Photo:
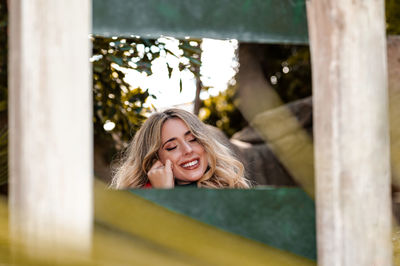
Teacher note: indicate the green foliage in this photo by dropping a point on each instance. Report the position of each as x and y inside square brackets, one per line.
[114, 100]
[221, 111]
[190, 50]
[288, 69]
[393, 17]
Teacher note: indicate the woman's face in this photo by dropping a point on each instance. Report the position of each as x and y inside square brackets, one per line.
[187, 155]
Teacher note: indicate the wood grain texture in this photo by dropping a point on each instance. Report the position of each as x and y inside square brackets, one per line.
[50, 123]
[349, 66]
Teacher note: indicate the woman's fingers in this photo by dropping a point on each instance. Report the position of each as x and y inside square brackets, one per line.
[168, 166]
[157, 164]
[160, 175]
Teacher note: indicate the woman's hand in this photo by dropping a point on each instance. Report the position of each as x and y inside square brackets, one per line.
[160, 175]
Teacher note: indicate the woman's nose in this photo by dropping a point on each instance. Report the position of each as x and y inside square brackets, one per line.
[187, 148]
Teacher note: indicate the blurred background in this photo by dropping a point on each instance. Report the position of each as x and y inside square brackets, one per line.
[133, 77]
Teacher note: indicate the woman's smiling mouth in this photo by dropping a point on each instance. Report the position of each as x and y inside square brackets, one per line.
[191, 164]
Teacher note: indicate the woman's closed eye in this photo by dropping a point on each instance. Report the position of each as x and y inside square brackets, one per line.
[170, 148]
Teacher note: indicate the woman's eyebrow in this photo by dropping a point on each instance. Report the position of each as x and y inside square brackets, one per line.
[172, 139]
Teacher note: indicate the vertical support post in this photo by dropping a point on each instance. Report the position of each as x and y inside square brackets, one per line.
[349, 69]
[50, 121]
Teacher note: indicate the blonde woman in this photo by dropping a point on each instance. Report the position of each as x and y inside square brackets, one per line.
[174, 148]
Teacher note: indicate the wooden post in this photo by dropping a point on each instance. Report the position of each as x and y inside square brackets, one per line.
[50, 123]
[349, 69]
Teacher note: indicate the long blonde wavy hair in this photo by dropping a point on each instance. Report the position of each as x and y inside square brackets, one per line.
[224, 170]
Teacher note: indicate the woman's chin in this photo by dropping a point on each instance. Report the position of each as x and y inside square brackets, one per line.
[186, 176]
[187, 180]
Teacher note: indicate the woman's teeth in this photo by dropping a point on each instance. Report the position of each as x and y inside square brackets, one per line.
[191, 163]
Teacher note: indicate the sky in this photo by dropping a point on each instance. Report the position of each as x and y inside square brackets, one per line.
[219, 65]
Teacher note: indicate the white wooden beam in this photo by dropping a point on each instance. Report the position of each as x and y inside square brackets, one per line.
[349, 70]
[50, 103]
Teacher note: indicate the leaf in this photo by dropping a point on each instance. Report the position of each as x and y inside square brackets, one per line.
[116, 60]
[145, 95]
[194, 61]
[133, 98]
[124, 48]
[180, 85]
[182, 66]
[143, 64]
[170, 52]
[169, 70]
[147, 42]
[144, 69]
[138, 110]
[98, 68]
[193, 49]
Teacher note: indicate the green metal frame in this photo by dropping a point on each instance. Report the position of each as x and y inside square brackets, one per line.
[264, 21]
[280, 217]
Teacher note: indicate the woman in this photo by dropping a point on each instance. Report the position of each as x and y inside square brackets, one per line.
[174, 148]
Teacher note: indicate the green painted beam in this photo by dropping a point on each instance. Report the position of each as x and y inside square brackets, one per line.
[283, 218]
[130, 229]
[267, 21]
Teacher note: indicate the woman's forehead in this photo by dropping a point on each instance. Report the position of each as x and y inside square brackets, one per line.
[174, 127]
